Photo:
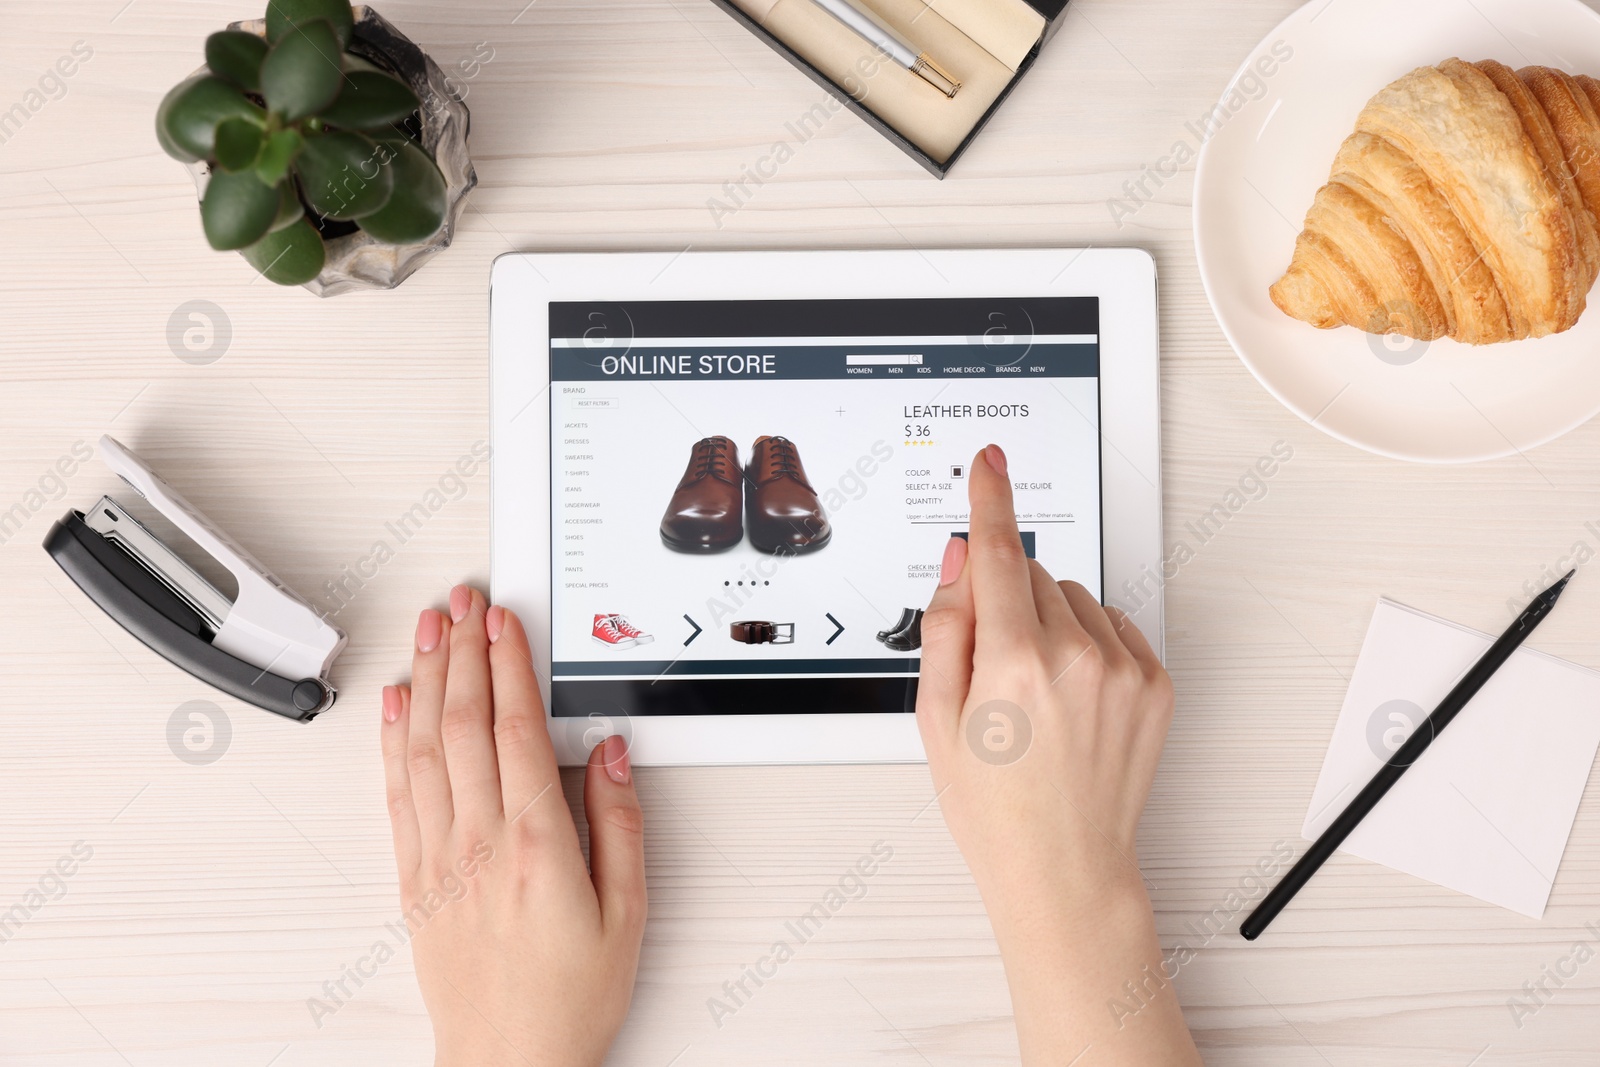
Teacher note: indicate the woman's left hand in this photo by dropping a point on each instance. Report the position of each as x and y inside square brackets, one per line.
[526, 956]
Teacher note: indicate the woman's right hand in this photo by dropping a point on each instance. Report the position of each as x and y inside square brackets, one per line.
[1043, 715]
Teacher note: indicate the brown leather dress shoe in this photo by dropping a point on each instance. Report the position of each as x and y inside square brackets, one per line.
[781, 509]
[705, 513]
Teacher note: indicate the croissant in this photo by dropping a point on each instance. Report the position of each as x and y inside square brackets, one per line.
[1462, 206]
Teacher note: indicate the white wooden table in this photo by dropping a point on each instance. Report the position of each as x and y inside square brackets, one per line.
[220, 897]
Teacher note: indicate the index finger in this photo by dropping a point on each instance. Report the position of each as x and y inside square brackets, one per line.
[1002, 588]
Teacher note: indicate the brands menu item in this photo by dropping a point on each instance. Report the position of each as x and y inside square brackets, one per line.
[766, 485]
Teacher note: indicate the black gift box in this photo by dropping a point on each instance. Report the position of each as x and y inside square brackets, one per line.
[1052, 11]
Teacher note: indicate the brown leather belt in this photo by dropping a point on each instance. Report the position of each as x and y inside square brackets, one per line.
[753, 632]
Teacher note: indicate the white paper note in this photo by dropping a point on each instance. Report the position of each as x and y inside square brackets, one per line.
[1487, 809]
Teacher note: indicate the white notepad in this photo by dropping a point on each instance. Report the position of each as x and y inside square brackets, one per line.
[1488, 807]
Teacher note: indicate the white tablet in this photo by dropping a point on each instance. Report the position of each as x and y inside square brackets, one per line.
[722, 481]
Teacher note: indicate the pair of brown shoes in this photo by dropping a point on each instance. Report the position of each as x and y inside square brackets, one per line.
[716, 500]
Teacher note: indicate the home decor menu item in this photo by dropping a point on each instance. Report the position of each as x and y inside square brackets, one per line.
[265, 645]
[1463, 206]
[876, 57]
[886, 40]
[1488, 810]
[759, 453]
[1264, 152]
[325, 145]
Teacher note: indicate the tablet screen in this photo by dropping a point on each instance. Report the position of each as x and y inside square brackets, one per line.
[750, 499]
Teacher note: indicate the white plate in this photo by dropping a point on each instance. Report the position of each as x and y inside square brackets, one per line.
[1437, 402]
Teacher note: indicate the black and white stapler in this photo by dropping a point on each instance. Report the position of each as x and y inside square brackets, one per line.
[267, 646]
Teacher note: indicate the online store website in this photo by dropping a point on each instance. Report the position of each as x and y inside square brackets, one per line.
[750, 499]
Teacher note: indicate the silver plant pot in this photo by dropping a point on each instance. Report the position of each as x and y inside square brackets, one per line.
[357, 260]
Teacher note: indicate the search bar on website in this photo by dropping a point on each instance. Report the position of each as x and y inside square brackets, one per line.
[892, 360]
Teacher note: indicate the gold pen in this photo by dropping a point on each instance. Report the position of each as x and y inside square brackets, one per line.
[891, 44]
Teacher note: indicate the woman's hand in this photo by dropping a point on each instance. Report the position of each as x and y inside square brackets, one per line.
[525, 955]
[1043, 715]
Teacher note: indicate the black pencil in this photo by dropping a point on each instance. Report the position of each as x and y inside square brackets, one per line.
[1403, 757]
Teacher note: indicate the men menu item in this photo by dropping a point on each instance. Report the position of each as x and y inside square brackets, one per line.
[767, 487]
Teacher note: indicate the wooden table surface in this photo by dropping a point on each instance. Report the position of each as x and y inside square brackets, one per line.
[220, 897]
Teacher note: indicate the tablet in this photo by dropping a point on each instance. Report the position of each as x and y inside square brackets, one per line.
[722, 482]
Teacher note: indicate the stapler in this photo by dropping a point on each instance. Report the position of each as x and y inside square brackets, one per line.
[268, 646]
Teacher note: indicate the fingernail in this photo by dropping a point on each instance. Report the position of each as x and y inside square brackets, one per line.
[494, 620]
[955, 557]
[460, 602]
[996, 458]
[430, 628]
[391, 703]
[614, 754]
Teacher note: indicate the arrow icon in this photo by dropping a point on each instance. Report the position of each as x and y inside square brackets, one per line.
[697, 630]
[837, 623]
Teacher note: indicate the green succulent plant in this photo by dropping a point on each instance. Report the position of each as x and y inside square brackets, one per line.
[304, 140]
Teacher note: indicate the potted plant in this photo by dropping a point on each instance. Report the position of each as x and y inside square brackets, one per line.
[326, 146]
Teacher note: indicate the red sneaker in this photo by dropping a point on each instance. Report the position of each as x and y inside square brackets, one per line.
[628, 629]
[607, 632]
